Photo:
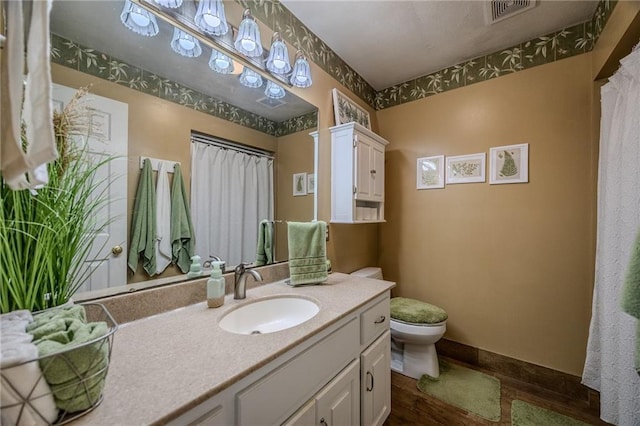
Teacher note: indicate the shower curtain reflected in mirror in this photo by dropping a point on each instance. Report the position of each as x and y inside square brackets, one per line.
[231, 192]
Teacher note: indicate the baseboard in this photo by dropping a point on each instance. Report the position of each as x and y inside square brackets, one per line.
[547, 378]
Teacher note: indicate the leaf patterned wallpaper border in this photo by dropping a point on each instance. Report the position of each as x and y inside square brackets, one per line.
[91, 61]
[558, 45]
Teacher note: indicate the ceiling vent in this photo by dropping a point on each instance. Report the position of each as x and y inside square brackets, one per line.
[270, 103]
[497, 10]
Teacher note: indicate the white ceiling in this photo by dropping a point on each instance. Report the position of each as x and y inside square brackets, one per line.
[389, 42]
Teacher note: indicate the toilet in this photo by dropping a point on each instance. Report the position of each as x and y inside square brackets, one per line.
[415, 328]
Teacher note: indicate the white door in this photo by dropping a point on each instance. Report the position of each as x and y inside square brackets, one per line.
[363, 168]
[338, 404]
[377, 191]
[108, 136]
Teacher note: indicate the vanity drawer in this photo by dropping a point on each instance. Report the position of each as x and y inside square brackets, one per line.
[374, 321]
[275, 397]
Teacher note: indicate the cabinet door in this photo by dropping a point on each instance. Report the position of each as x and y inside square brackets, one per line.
[338, 404]
[377, 176]
[363, 167]
[306, 416]
[376, 381]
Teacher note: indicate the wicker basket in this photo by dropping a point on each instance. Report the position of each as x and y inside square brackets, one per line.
[85, 389]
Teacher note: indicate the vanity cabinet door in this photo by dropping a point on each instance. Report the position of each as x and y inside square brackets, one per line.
[376, 381]
[306, 416]
[338, 404]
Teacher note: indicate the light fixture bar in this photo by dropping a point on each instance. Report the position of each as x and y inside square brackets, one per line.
[211, 42]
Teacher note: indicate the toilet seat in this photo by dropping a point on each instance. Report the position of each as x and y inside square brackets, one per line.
[418, 329]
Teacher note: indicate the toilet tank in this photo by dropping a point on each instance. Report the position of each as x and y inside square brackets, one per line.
[369, 272]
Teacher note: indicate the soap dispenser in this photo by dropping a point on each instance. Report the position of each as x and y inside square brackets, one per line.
[195, 270]
[215, 287]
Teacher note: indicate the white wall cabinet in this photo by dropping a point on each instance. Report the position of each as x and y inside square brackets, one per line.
[357, 174]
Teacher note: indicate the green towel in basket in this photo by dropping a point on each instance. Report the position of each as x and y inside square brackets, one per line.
[76, 376]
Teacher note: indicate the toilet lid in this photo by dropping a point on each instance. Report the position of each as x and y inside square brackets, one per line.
[416, 312]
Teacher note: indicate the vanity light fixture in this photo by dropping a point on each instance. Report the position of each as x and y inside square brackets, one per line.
[301, 75]
[250, 78]
[171, 4]
[248, 40]
[185, 44]
[210, 17]
[138, 19]
[274, 91]
[278, 60]
[221, 63]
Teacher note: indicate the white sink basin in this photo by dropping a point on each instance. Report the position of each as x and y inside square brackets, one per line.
[269, 315]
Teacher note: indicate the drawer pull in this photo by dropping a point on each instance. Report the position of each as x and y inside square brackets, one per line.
[323, 422]
[380, 320]
[369, 389]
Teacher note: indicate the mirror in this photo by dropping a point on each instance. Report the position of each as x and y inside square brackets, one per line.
[169, 96]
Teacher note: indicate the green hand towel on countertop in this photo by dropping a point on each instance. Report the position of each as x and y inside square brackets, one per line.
[631, 294]
[182, 237]
[264, 251]
[143, 224]
[307, 252]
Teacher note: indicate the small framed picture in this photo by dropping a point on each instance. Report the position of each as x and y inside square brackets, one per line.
[430, 172]
[311, 183]
[466, 168]
[509, 164]
[346, 110]
[299, 184]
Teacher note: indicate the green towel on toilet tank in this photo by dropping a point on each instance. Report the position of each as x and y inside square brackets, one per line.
[307, 252]
[631, 294]
[182, 238]
[143, 224]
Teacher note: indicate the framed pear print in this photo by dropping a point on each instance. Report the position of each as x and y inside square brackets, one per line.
[509, 164]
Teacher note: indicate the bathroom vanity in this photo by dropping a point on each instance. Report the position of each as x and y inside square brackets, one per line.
[180, 367]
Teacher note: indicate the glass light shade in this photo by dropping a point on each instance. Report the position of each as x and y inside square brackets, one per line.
[278, 60]
[185, 44]
[171, 4]
[219, 62]
[138, 20]
[274, 91]
[301, 75]
[210, 17]
[250, 78]
[248, 39]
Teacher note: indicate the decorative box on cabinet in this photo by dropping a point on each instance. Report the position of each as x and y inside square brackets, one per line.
[357, 174]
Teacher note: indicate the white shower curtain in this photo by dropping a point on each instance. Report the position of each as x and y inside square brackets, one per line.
[231, 192]
[609, 366]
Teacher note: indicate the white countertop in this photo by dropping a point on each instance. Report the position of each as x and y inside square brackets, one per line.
[165, 364]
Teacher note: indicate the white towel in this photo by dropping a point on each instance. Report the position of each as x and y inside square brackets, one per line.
[25, 396]
[163, 219]
[38, 112]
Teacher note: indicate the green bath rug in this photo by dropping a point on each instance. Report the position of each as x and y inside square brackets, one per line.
[464, 388]
[524, 414]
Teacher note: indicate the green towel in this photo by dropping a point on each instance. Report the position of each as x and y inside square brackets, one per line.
[76, 376]
[307, 252]
[143, 224]
[182, 237]
[264, 249]
[631, 294]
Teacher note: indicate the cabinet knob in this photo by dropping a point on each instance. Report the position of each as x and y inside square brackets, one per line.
[380, 320]
[369, 389]
[323, 422]
[373, 172]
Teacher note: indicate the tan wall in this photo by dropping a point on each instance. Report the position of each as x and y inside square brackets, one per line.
[159, 129]
[511, 264]
[295, 155]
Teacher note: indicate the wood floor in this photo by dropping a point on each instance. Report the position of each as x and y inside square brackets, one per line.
[409, 406]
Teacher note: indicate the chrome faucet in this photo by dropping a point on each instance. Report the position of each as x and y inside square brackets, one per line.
[209, 263]
[240, 280]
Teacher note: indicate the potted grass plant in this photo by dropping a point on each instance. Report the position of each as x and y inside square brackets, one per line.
[46, 235]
